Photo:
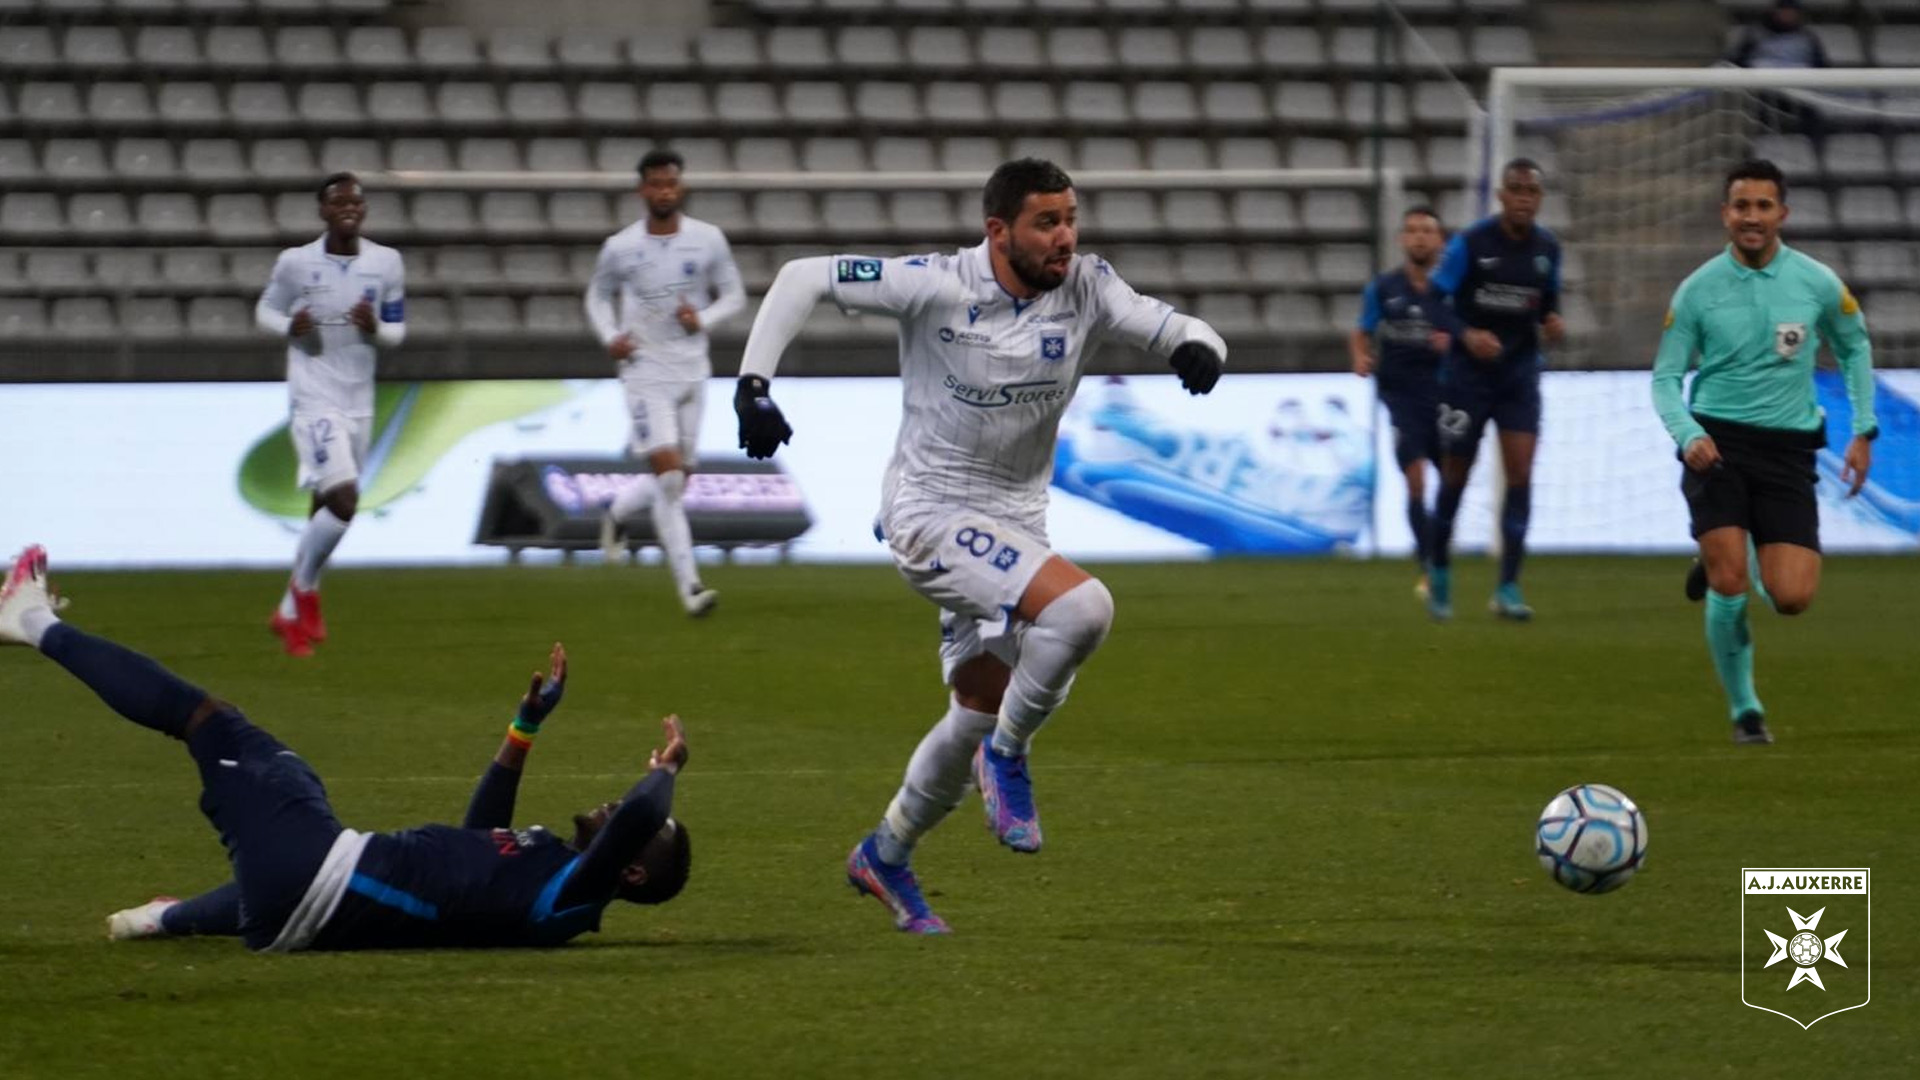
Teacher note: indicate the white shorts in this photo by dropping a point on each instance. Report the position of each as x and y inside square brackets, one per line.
[332, 448]
[976, 568]
[666, 416]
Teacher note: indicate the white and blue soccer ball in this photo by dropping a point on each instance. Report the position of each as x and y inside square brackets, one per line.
[1592, 838]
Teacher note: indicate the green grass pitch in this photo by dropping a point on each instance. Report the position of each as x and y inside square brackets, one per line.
[1288, 831]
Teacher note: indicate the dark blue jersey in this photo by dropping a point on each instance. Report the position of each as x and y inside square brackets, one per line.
[440, 885]
[1403, 318]
[1502, 284]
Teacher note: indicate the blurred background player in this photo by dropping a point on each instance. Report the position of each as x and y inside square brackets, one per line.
[1503, 275]
[993, 343]
[1412, 327]
[301, 880]
[337, 302]
[641, 302]
[1754, 316]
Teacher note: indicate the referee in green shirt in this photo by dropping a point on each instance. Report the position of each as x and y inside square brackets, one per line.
[1754, 317]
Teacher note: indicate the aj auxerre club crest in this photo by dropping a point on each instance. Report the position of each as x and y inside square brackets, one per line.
[1794, 925]
[1788, 337]
[1053, 347]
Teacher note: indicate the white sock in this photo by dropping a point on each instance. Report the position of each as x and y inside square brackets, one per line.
[936, 780]
[35, 622]
[322, 535]
[635, 496]
[288, 610]
[671, 529]
[1051, 650]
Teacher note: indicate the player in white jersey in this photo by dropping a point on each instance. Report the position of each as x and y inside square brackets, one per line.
[642, 303]
[336, 302]
[992, 343]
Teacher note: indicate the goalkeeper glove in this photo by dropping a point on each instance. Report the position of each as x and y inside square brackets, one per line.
[762, 427]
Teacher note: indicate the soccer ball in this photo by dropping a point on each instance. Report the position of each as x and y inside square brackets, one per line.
[1591, 838]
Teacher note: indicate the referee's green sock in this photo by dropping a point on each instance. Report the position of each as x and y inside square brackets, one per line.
[1753, 574]
[1731, 644]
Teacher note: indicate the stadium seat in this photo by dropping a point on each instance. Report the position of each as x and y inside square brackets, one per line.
[557, 316]
[429, 317]
[18, 163]
[1448, 158]
[680, 103]
[152, 318]
[447, 50]
[622, 154]
[785, 213]
[817, 104]
[468, 105]
[1096, 104]
[119, 104]
[100, 216]
[1297, 104]
[378, 50]
[1147, 267]
[1342, 266]
[1108, 152]
[799, 50]
[703, 154]
[765, 154]
[1318, 153]
[539, 105]
[194, 268]
[29, 50]
[726, 209]
[868, 48]
[488, 155]
[169, 216]
[1165, 104]
[520, 53]
[556, 155]
[486, 314]
[1151, 50]
[1209, 266]
[1219, 51]
[306, 50]
[1052, 148]
[1263, 212]
[1842, 43]
[542, 267]
[891, 104]
[1428, 46]
[22, 318]
[83, 317]
[138, 161]
[512, 215]
[1896, 46]
[1882, 264]
[58, 271]
[283, 159]
[656, 54]
[833, 154]
[444, 215]
[330, 106]
[1235, 104]
[94, 50]
[964, 104]
[940, 49]
[1293, 314]
[610, 104]
[249, 268]
[1178, 152]
[461, 268]
[1196, 214]
[213, 160]
[1080, 50]
[1290, 50]
[748, 104]
[971, 153]
[238, 50]
[854, 214]
[917, 213]
[219, 317]
[190, 104]
[1812, 212]
[242, 217]
[75, 159]
[1502, 46]
[1362, 98]
[1856, 158]
[729, 51]
[416, 154]
[1869, 211]
[1354, 49]
[51, 104]
[1246, 152]
[1440, 105]
[590, 52]
[1121, 215]
[125, 270]
[261, 106]
[1231, 314]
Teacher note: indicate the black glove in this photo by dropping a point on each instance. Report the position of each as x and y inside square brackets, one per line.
[762, 427]
[1198, 366]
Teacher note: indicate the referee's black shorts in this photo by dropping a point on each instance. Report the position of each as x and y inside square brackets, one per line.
[1764, 484]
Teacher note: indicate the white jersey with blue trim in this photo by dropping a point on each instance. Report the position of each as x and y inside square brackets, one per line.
[639, 284]
[338, 378]
[986, 377]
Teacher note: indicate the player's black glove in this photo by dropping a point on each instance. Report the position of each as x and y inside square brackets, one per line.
[1197, 365]
[762, 427]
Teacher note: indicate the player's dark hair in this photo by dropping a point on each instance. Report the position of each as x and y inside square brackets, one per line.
[1757, 169]
[1007, 189]
[1521, 164]
[669, 862]
[661, 158]
[1423, 210]
[336, 178]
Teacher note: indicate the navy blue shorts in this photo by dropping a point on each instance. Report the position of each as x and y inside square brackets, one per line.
[1509, 396]
[1414, 412]
[272, 815]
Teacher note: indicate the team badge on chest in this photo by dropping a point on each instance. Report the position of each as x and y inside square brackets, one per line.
[1787, 339]
[1053, 347]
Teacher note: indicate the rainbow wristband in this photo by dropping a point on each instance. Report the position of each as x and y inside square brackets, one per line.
[524, 727]
[520, 733]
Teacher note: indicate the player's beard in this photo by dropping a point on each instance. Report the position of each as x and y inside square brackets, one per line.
[664, 210]
[1031, 268]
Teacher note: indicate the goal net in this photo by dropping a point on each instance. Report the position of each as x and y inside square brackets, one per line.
[1635, 159]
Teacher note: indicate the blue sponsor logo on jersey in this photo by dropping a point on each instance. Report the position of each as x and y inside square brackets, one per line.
[1053, 347]
[1040, 392]
[973, 314]
[689, 267]
[972, 339]
[1056, 317]
[861, 270]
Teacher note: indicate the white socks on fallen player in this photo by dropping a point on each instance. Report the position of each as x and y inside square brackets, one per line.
[1051, 650]
[671, 529]
[35, 622]
[936, 780]
[636, 495]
